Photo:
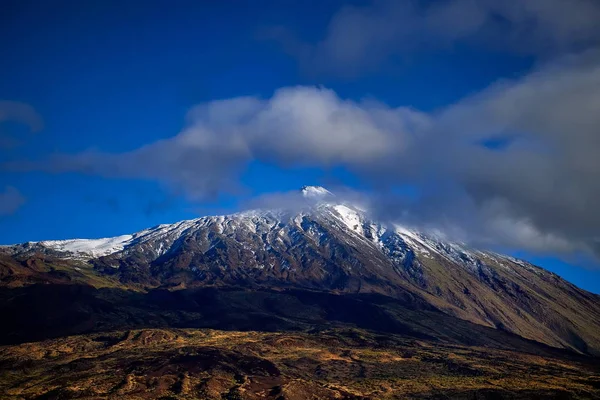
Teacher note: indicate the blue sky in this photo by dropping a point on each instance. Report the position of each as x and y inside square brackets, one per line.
[110, 79]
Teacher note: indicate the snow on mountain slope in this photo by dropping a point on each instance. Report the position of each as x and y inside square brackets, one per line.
[350, 217]
[158, 240]
[89, 247]
[161, 236]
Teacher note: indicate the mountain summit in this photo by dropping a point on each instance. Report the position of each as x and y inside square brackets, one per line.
[333, 247]
[315, 192]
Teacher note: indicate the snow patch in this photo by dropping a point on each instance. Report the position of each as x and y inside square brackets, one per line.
[350, 218]
[89, 247]
[315, 192]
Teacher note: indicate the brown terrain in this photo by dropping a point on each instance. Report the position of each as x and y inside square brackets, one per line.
[333, 364]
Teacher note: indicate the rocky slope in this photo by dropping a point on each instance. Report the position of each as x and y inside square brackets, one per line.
[324, 245]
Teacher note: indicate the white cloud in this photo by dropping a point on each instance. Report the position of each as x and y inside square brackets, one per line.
[297, 126]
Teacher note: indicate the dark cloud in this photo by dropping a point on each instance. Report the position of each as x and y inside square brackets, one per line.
[546, 181]
[360, 38]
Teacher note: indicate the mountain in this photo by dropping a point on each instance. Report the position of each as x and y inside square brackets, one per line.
[313, 300]
[326, 245]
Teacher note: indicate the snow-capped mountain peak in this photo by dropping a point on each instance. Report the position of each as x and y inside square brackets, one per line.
[315, 192]
[330, 214]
